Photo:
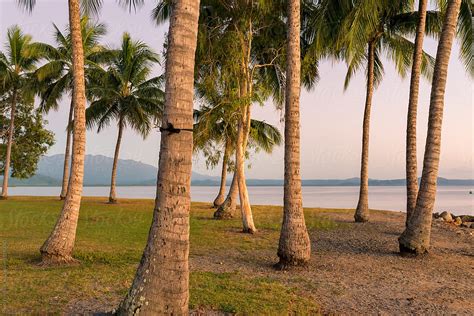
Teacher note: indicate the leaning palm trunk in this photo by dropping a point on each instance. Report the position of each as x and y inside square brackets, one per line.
[11, 131]
[227, 209]
[113, 178]
[411, 164]
[221, 196]
[416, 237]
[362, 211]
[161, 284]
[294, 247]
[58, 248]
[67, 154]
[242, 138]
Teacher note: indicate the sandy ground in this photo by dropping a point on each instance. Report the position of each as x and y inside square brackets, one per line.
[357, 269]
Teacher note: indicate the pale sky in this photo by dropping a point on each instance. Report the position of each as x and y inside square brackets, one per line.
[331, 119]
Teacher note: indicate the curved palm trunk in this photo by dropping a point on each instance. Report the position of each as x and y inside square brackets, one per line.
[416, 237]
[221, 196]
[362, 211]
[227, 209]
[58, 248]
[294, 247]
[67, 154]
[11, 131]
[113, 178]
[242, 138]
[161, 284]
[411, 163]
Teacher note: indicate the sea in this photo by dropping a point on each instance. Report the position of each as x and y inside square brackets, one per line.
[458, 200]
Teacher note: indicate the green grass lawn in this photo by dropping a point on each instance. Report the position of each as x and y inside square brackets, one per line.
[110, 240]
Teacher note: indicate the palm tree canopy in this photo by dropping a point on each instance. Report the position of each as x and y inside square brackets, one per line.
[55, 76]
[19, 60]
[124, 93]
[342, 29]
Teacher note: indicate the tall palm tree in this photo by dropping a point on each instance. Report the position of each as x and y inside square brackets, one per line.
[411, 163]
[125, 94]
[465, 34]
[161, 284]
[16, 66]
[294, 247]
[416, 237]
[57, 76]
[362, 31]
[58, 248]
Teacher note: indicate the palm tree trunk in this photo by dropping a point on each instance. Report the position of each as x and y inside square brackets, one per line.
[58, 248]
[294, 247]
[11, 131]
[416, 237]
[220, 197]
[67, 153]
[242, 138]
[227, 209]
[362, 211]
[411, 163]
[113, 178]
[161, 284]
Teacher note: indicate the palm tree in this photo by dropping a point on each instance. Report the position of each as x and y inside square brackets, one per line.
[411, 163]
[16, 67]
[465, 33]
[294, 247]
[161, 284]
[214, 127]
[363, 31]
[58, 248]
[416, 237]
[57, 76]
[123, 93]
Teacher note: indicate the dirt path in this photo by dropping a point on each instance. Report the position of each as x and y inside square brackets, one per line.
[357, 270]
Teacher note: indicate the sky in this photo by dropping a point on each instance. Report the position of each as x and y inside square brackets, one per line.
[331, 118]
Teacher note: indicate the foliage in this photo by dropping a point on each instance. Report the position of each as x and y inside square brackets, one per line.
[30, 139]
[350, 25]
[18, 61]
[55, 77]
[123, 91]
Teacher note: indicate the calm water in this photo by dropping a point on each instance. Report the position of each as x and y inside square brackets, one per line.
[453, 198]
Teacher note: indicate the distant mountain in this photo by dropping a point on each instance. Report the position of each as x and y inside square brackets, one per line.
[97, 171]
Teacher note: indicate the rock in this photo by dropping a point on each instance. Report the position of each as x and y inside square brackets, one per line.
[466, 224]
[458, 221]
[446, 216]
[467, 218]
[436, 215]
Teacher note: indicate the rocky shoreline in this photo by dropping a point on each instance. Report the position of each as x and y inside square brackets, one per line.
[466, 221]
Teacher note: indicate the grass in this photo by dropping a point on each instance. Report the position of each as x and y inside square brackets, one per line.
[110, 240]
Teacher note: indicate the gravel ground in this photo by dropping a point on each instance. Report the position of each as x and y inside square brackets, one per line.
[357, 269]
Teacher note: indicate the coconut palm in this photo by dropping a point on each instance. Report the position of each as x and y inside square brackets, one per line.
[124, 93]
[294, 247]
[361, 32]
[161, 284]
[58, 248]
[57, 77]
[465, 34]
[214, 128]
[411, 163]
[16, 65]
[416, 237]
